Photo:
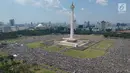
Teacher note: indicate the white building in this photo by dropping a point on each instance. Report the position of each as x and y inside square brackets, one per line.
[14, 28]
[22, 28]
[5, 29]
[40, 26]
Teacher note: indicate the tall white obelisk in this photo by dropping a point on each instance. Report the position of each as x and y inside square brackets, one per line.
[72, 21]
[71, 41]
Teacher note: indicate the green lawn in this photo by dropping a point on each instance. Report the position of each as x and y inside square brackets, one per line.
[103, 45]
[35, 45]
[10, 40]
[3, 54]
[44, 71]
[50, 69]
[55, 48]
[84, 54]
[92, 52]
[40, 45]
[52, 48]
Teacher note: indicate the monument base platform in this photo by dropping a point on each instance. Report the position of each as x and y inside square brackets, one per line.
[73, 42]
[70, 39]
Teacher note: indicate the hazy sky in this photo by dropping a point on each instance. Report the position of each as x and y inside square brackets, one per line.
[59, 10]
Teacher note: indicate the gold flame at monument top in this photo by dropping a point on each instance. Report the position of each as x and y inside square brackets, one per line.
[72, 6]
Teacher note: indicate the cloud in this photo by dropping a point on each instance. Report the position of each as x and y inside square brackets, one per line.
[102, 2]
[46, 4]
[64, 11]
[82, 9]
[43, 3]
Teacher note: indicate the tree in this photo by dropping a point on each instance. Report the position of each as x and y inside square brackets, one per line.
[108, 30]
[21, 68]
[10, 66]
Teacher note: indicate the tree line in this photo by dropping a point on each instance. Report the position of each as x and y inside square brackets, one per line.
[117, 35]
[58, 30]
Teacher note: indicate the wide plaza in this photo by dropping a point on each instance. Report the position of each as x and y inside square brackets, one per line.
[105, 55]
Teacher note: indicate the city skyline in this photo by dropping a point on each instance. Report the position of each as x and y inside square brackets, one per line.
[59, 11]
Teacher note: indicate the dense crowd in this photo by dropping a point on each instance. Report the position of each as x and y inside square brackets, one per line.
[116, 60]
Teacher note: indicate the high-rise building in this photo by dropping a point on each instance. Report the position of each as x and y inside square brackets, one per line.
[103, 25]
[85, 24]
[12, 22]
[88, 24]
[1, 23]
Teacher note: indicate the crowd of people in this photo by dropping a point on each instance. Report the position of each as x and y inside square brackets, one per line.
[116, 60]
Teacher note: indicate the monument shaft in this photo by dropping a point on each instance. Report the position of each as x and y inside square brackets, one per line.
[71, 41]
[72, 22]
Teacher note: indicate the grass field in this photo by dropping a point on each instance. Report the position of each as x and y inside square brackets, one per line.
[50, 69]
[48, 48]
[10, 40]
[3, 54]
[35, 45]
[55, 48]
[92, 52]
[52, 48]
[43, 70]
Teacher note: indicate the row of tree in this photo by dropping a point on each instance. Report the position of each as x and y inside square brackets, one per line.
[9, 35]
[61, 30]
[38, 32]
[117, 35]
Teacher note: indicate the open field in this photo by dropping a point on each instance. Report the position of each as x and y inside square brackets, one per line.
[92, 52]
[53, 48]
[107, 56]
[3, 54]
[35, 45]
[51, 69]
[48, 69]
[9, 40]
[45, 71]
